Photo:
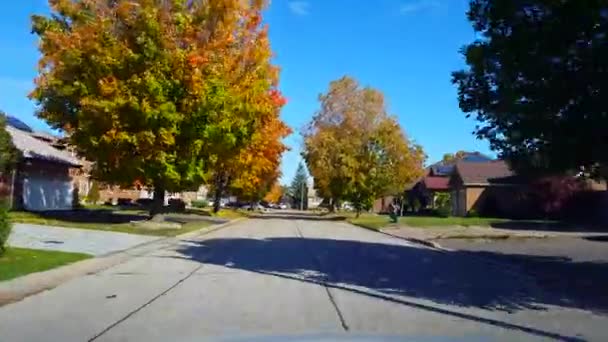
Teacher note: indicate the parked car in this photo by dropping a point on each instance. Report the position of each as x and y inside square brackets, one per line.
[177, 204]
[282, 206]
[144, 202]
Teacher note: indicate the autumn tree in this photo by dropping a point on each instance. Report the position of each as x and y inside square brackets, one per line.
[536, 81]
[256, 169]
[153, 91]
[275, 194]
[453, 157]
[355, 150]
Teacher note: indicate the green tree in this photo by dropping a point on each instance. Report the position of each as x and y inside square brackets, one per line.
[299, 188]
[8, 153]
[355, 150]
[5, 226]
[155, 92]
[536, 82]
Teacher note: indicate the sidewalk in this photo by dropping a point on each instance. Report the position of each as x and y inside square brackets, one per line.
[16, 289]
[74, 240]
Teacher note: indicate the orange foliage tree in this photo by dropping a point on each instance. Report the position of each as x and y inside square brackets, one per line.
[251, 175]
[162, 92]
[275, 194]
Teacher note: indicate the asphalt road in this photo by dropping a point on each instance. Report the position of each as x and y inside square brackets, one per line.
[278, 277]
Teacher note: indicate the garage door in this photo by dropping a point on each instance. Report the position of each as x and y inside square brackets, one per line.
[47, 194]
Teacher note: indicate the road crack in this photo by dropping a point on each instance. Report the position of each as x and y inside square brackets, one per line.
[138, 309]
[330, 295]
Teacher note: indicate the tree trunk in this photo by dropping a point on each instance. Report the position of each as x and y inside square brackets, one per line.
[358, 212]
[217, 197]
[158, 201]
[332, 205]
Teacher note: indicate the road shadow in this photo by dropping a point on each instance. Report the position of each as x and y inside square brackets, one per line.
[600, 238]
[295, 216]
[485, 280]
[92, 216]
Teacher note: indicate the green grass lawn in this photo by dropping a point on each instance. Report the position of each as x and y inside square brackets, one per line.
[381, 221]
[16, 262]
[126, 227]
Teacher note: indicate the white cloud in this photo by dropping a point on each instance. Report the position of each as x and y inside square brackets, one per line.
[417, 6]
[299, 7]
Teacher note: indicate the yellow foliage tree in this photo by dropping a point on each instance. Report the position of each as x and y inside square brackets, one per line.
[355, 150]
[275, 194]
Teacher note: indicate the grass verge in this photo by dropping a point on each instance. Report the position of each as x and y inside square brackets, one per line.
[16, 262]
[34, 218]
[228, 214]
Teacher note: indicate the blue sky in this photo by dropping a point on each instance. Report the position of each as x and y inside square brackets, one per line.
[405, 48]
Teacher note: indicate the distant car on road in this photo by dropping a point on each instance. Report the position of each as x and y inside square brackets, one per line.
[282, 206]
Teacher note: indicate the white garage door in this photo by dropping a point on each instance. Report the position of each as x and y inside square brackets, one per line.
[47, 194]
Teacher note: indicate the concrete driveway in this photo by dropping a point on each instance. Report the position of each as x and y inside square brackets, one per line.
[279, 277]
[86, 241]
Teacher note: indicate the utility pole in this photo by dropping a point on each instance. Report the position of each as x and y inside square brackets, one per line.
[302, 197]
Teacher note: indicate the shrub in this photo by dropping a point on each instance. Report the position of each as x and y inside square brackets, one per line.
[5, 226]
[473, 213]
[443, 212]
[200, 203]
[442, 199]
[443, 204]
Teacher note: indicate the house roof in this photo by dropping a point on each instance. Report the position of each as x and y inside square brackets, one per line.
[33, 148]
[45, 136]
[443, 168]
[437, 183]
[18, 124]
[483, 173]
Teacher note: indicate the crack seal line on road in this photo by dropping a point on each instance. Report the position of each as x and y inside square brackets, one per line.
[130, 314]
[327, 290]
[166, 243]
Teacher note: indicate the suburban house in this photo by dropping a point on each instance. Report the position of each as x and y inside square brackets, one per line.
[488, 187]
[435, 180]
[493, 189]
[382, 204]
[43, 177]
[50, 175]
[314, 201]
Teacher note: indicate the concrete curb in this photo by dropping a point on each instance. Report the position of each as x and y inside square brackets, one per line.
[17, 289]
[512, 269]
[425, 243]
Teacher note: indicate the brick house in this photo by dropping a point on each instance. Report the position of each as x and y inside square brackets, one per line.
[43, 177]
[436, 179]
[473, 185]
